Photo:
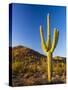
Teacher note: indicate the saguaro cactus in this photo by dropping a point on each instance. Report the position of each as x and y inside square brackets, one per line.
[49, 46]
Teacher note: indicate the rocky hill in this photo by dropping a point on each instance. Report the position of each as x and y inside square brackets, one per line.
[30, 67]
[22, 53]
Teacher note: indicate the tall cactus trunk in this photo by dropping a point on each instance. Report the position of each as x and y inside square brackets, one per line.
[48, 46]
[49, 65]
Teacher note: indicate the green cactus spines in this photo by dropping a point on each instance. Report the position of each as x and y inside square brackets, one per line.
[47, 47]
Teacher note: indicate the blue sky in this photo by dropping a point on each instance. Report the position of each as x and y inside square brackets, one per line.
[26, 20]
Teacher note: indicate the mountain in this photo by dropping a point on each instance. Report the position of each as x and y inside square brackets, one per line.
[29, 67]
[22, 53]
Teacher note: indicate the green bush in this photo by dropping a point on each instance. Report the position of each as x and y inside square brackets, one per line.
[17, 66]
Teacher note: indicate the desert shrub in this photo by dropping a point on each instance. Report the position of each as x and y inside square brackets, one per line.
[43, 65]
[17, 66]
[57, 69]
[58, 58]
[32, 68]
[15, 53]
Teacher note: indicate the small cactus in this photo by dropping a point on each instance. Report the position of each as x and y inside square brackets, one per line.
[47, 47]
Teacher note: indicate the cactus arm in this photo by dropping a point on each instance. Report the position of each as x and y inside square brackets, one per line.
[43, 44]
[55, 39]
[48, 43]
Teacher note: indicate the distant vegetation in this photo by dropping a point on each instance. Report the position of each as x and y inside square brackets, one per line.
[30, 67]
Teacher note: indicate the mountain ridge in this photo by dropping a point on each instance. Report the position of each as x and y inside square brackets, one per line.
[29, 49]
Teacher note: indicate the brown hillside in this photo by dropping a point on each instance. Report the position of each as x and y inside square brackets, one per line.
[30, 67]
